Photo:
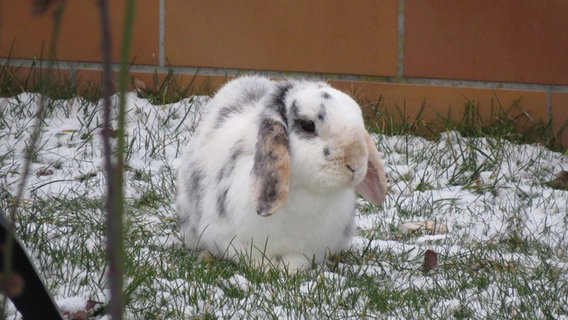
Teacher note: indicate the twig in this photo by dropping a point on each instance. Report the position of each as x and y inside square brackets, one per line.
[114, 179]
[34, 138]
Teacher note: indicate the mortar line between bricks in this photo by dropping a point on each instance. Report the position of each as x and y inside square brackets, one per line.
[161, 44]
[400, 55]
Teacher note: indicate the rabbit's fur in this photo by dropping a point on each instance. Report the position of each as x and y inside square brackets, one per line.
[271, 172]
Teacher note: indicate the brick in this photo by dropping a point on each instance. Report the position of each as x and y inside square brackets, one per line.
[430, 103]
[32, 79]
[86, 79]
[199, 84]
[492, 40]
[27, 35]
[329, 36]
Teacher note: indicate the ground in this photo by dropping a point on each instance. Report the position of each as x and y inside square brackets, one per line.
[498, 229]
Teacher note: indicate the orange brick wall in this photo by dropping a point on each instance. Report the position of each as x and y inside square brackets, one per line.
[412, 53]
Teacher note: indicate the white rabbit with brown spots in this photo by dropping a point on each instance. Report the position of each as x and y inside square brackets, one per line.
[272, 171]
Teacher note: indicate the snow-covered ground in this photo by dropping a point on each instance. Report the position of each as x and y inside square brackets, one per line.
[501, 233]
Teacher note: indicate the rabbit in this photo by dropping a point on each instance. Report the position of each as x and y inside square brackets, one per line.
[272, 170]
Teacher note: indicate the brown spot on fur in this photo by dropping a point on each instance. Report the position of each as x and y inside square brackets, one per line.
[270, 172]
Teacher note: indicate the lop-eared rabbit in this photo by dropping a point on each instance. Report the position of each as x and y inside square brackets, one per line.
[272, 170]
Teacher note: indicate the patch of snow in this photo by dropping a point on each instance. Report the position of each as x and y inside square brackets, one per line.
[72, 304]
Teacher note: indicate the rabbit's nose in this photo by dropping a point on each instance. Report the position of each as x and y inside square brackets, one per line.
[355, 155]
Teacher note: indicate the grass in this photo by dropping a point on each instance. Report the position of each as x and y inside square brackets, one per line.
[512, 122]
[505, 255]
[166, 90]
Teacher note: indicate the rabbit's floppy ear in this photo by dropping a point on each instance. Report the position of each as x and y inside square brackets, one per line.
[374, 186]
[270, 175]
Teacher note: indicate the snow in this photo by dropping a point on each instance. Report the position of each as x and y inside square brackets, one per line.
[240, 282]
[72, 304]
[428, 180]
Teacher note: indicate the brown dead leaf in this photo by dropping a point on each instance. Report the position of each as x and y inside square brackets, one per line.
[139, 86]
[92, 304]
[430, 261]
[428, 226]
[560, 182]
[82, 314]
[44, 172]
[477, 180]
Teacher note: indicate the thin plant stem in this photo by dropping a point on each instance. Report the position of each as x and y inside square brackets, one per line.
[114, 206]
[29, 151]
[115, 171]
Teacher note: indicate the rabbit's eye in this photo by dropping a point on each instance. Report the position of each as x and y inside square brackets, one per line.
[307, 125]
